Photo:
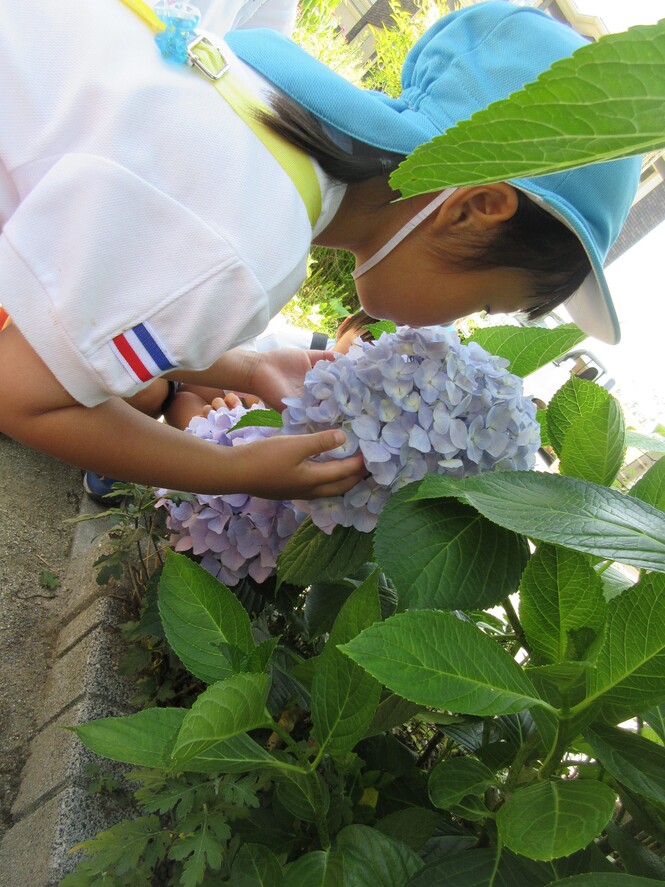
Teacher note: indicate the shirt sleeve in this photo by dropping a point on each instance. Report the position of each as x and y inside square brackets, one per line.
[114, 283]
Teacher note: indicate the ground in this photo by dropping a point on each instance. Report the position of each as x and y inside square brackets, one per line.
[37, 496]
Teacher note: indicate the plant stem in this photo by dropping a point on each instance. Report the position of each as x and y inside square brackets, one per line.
[321, 823]
[515, 623]
[497, 860]
[429, 748]
[286, 737]
[520, 760]
[553, 759]
[606, 566]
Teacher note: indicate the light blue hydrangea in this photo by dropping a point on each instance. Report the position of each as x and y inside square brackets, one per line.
[413, 402]
[235, 535]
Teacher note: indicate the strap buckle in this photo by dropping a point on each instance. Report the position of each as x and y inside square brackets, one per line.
[207, 57]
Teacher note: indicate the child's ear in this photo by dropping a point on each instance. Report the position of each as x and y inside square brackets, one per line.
[480, 208]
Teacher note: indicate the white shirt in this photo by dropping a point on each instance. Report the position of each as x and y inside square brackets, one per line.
[137, 209]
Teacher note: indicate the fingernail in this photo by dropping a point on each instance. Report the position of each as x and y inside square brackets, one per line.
[339, 437]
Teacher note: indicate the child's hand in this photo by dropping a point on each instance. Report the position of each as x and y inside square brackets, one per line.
[281, 467]
[281, 373]
[230, 401]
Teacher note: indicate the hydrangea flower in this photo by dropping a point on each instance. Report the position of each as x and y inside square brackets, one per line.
[413, 402]
[237, 535]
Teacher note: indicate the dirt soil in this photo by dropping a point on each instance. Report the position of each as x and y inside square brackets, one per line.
[37, 496]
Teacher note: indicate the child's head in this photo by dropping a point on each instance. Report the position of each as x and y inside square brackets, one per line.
[351, 328]
[559, 228]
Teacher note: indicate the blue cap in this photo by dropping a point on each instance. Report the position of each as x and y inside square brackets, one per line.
[463, 63]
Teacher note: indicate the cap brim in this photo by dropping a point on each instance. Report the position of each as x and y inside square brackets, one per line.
[592, 310]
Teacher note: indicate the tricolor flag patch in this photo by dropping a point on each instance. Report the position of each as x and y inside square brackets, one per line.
[142, 353]
[5, 319]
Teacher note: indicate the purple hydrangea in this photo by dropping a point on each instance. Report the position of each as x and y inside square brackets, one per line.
[413, 402]
[237, 535]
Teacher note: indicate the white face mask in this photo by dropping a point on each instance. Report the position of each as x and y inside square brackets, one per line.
[403, 232]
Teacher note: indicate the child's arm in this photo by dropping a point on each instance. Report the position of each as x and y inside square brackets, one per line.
[271, 375]
[117, 440]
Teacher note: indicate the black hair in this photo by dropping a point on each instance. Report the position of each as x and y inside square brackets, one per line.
[306, 132]
[533, 240]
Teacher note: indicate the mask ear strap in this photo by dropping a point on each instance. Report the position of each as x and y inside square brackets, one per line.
[404, 232]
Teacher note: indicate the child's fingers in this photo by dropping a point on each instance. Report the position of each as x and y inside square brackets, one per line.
[316, 356]
[322, 441]
[336, 478]
[231, 400]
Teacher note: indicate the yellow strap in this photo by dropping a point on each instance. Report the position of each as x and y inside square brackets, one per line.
[295, 163]
[146, 13]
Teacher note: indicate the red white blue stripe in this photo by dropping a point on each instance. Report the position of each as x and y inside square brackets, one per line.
[142, 352]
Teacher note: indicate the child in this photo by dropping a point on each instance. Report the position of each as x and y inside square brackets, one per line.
[151, 226]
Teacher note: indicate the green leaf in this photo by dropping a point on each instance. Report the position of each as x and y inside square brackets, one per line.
[615, 581]
[455, 559]
[435, 659]
[655, 718]
[199, 844]
[263, 418]
[605, 879]
[233, 706]
[594, 448]
[311, 556]
[393, 711]
[344, 696]
[371, 857]
[562, 510]
[650, 487]
[381, 326]
[636, 858]
[322, 604]
[574, 399]
[541, 416]
[629, 673]
[259, 659]
[200, 616]
[528, 348]
[255, 865]
[145, 738]
[554, 818]
[586, 426]
[646, 442]
[47, 579]
[478, 868]
[237, 755]
[123, 846]
[316, 869]
[560, 593]
[603, 102]
[631, 759]
[304, 795]
[455, 778]
[412, 826]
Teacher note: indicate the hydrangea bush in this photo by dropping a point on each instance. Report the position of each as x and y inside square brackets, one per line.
[413, 402]
[237, 535]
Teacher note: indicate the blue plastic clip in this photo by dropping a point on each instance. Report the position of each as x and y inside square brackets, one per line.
[181, 20]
